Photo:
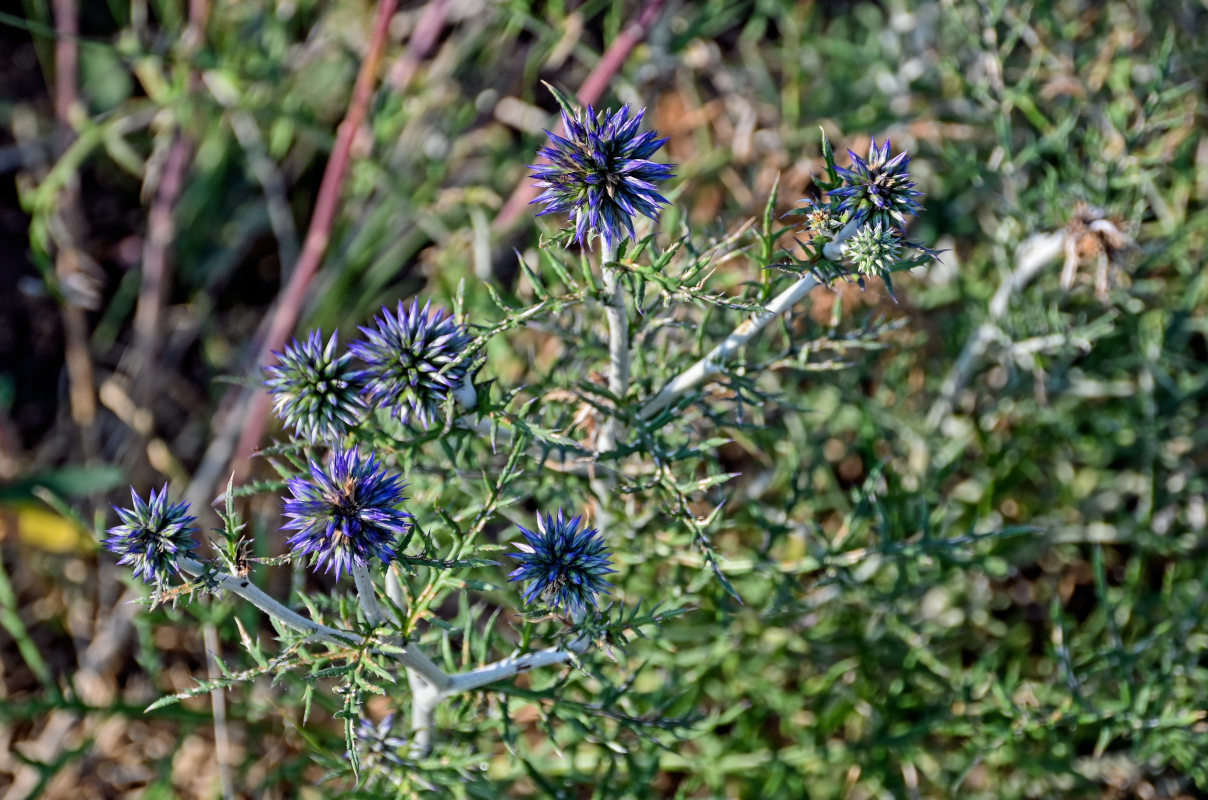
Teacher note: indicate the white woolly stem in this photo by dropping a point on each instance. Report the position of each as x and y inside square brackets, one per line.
[368, 595]
[514, 665]
[465, 394]
[618, 343]
[425, 697]
[833, 249]
[1033, 254]
[716, 358]
[503, 669]
[243, 587]
[394, 588]
[252, 593]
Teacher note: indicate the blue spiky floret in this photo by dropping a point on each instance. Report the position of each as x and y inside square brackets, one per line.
[879, 189]
[404, 355]
[379, 745]
[345, 512]
[314, 392]
[564, 565]
[153, 536]
[599, 172]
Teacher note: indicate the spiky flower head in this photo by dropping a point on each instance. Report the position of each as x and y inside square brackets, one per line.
[600, 173]
[564, 565]
[153, 536]
[404, 354]
[345, 512]
[879, 189]
[314, 392]
[873, 249]
[818, 217]
[378, 744]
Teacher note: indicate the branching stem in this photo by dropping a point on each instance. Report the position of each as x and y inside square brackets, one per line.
[1033, 254]
[716, 358]
[429, 683]
[368, 595]
[243, 587]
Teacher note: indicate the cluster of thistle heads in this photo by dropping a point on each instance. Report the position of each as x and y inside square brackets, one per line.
[407, 364]
[864, 209]
[345, 510]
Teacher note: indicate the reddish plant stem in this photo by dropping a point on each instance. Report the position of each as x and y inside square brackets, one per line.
[67, 59]
[589, 94]
[289, 302]
[76, 357]
[161, 232]
[427, 30]
[156, 272]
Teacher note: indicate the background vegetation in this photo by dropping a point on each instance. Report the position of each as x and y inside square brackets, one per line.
[988, 589]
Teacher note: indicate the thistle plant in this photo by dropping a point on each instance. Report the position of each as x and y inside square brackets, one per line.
[316, 392]
[879, 189]
[426, 580]
[411, 361]
[600, 173]
[345, 512]
[153, 536]
[563, 564]
[873, 249]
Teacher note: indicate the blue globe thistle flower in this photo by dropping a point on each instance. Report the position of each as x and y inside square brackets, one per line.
[404, 355]
[153, 536]
[873, 249]
[315, 393]
[566, 566]
[378, 743]
[879, 189]
[600, 173]
[345, 512]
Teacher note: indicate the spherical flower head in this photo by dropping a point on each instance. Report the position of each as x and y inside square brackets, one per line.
[600, 173]
[404, 354]
[153, 536]
[564, 565]
[879, 189]
[819, 218]
[345, 512]
[873, 250]
[378, 743]
[314, 392]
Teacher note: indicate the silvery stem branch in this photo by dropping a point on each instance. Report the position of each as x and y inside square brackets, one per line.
[515, 664]
[712, 363]
[465, 394]
[243, 587]
[618, 341]
[505, 668]
[833, 249]
[716, 358]
[425, 697]
[368, 595]
[1035, 252]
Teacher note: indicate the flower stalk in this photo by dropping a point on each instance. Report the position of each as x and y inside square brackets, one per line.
[712, 363]
[618, 344]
